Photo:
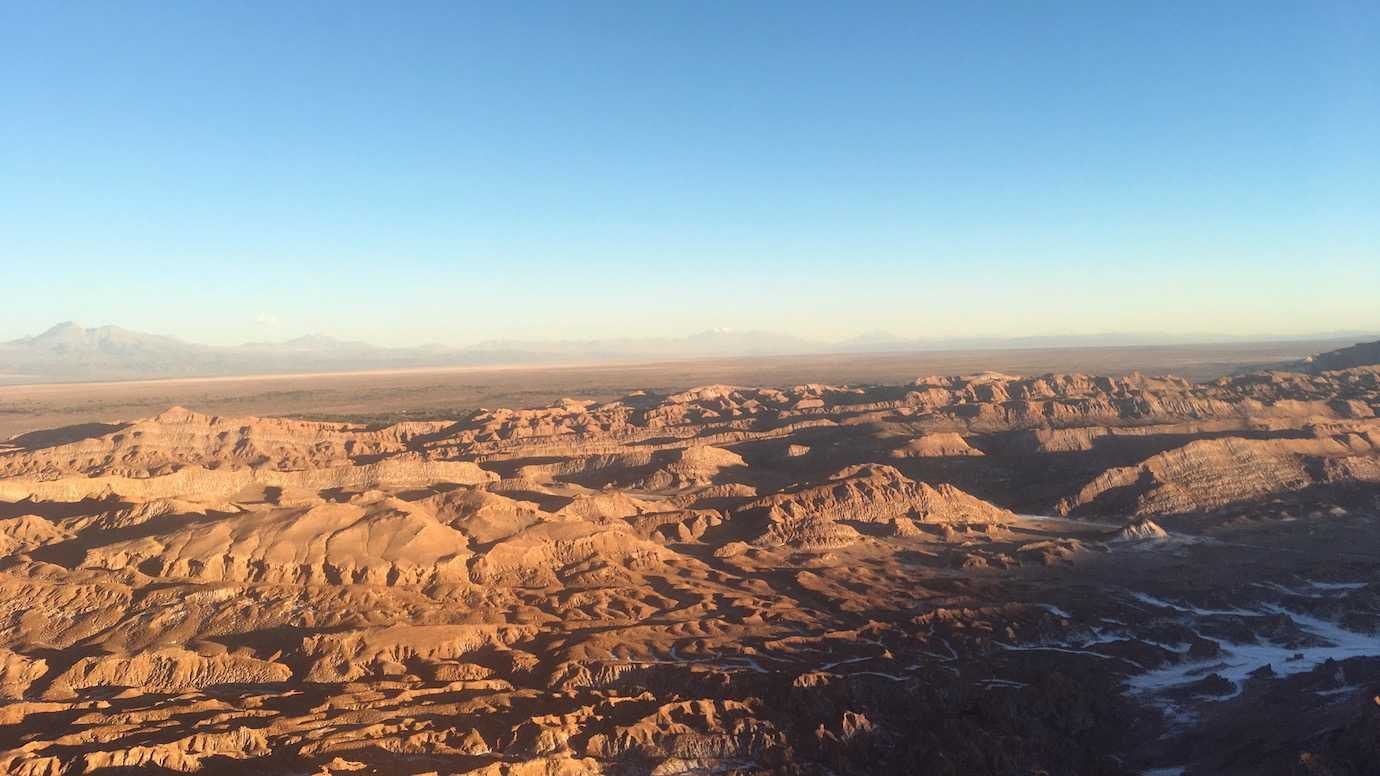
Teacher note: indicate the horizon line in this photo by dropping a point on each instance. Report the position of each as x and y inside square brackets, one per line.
[879, 338]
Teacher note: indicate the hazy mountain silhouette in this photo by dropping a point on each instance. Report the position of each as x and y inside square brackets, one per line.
[70, 351]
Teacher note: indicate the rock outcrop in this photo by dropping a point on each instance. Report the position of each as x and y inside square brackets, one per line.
[728, 579]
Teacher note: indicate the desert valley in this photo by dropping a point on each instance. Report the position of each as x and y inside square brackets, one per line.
[689, 389]
[1056, 573]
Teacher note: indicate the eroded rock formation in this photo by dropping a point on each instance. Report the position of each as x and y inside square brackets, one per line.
[815, 579]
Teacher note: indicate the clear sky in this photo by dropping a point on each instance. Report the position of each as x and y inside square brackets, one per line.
[457, 171]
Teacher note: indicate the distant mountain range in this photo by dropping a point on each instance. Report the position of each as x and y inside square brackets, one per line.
[69, 351]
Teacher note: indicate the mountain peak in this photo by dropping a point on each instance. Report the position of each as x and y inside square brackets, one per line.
[315, 340]
[65, 330]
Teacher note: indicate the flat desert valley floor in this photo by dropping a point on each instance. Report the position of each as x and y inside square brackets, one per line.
[397, 394]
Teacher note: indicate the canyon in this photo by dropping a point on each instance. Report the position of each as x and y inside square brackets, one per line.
[986, 573]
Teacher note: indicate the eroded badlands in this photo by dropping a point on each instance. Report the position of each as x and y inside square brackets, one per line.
[986, 574]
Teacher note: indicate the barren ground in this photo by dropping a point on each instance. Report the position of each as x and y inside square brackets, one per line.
[986, 574]
[396, 394]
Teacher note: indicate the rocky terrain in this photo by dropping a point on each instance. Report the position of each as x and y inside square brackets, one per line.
[1360, 354]
[981, 574]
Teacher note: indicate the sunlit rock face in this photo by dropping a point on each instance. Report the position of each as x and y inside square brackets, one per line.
[813, 579]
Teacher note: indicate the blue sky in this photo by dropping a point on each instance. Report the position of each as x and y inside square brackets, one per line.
[452, 172]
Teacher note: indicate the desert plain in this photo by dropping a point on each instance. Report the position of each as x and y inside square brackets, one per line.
[29, 403]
